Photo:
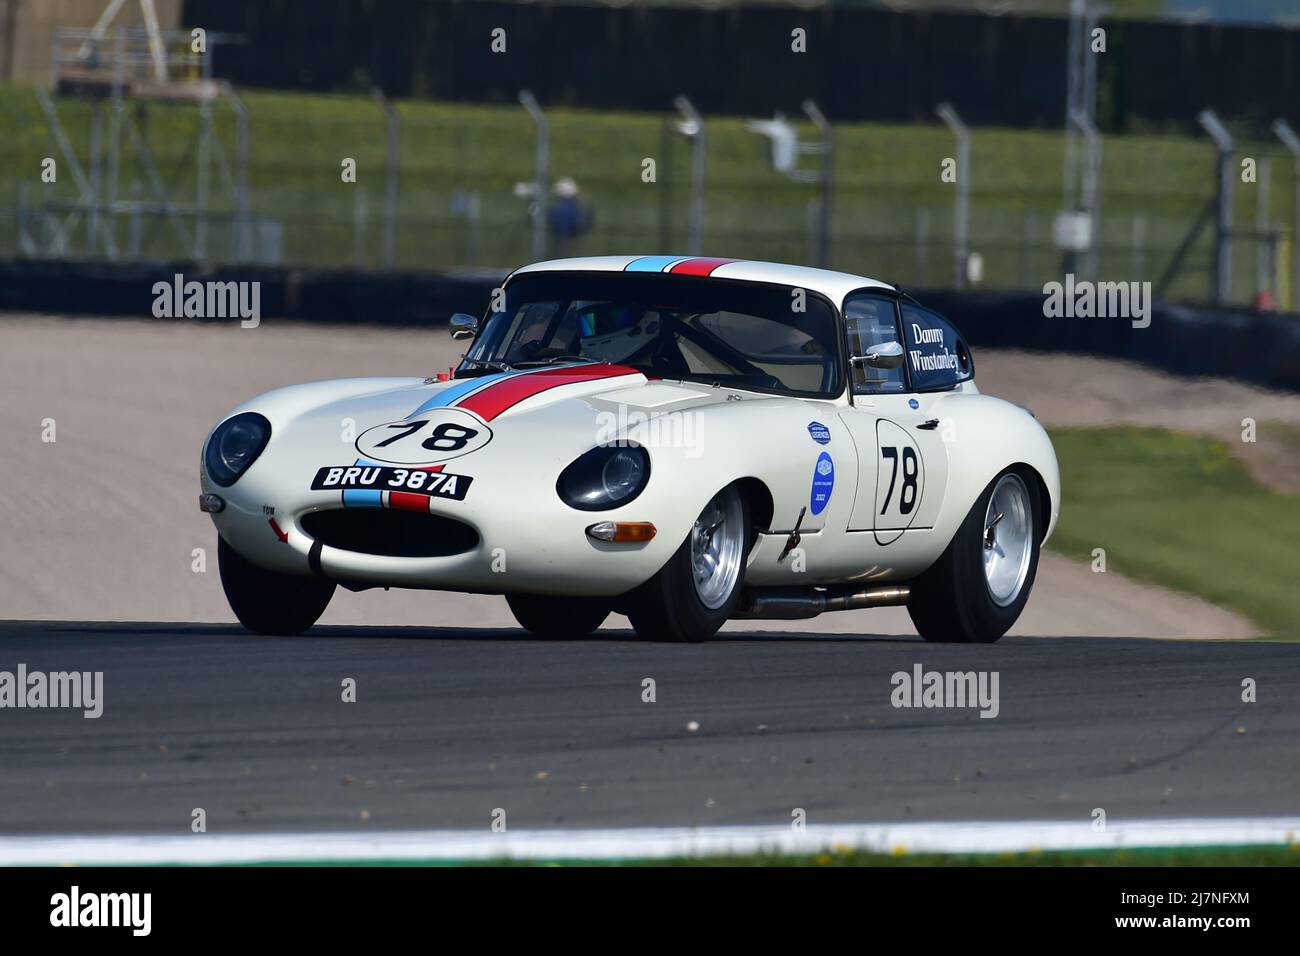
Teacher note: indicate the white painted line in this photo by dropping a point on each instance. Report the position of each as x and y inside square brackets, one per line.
[644, 843]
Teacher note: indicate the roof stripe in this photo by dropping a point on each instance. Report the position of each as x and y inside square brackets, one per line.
[699, 266]
[506, 393]
[833, 285]
[652, 263]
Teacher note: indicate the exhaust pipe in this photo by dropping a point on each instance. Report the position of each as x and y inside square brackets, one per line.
[789, 604]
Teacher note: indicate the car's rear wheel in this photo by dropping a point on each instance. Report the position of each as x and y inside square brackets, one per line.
[979, 586]
[698, 589]
[267, 602]
[548, 616]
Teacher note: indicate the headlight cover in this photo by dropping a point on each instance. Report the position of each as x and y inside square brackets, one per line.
[234, 445]
[605, 477]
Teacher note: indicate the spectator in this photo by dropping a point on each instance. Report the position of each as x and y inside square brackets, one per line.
[569, 216]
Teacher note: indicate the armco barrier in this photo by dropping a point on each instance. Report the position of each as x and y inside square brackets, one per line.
[1258, 347]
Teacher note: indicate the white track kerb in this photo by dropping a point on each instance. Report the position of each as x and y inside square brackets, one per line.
[644, 844]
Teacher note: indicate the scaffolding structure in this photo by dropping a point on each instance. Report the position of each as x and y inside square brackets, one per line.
[116, 76]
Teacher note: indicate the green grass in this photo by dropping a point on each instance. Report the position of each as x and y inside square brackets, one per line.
[1183, 856]
[1181, 511]
[1173, 857]
[887, 182]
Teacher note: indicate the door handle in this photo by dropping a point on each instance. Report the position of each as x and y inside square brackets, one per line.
[929, 425]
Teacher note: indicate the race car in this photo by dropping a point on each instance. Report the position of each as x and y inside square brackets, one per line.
[683, 440]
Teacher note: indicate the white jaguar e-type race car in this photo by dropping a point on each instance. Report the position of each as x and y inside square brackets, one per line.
[683, 440]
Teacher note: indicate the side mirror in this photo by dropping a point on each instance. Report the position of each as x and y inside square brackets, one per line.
[463, 326]
[884, 355]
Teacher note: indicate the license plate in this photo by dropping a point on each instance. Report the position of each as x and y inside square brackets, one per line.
[436, 484]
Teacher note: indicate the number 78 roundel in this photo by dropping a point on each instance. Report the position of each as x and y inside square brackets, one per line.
[900, 481]
[430, 437]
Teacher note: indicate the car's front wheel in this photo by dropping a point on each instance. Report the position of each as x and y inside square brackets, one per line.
[698, 589]
[267, 602]
[548, 616]
[979, 586]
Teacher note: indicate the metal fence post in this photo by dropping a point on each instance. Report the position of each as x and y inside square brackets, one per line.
[1265, 254]
[1074, 97]
[391, 147]
[116, 118]
[961, 207]
[1222, 288]
[1288, 136]
[25, 244]
[541, 174]
[360, 215]
[1029, 238]
[827, 177]
[241, 241]
[692, 127]
[1138, 246]
[95, 164]
[1091, 194]
[922, 267]
[203, 179]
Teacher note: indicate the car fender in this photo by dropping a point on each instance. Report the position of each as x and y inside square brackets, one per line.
[984, 436]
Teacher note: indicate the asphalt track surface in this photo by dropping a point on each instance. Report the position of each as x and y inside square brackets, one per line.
[451, 724]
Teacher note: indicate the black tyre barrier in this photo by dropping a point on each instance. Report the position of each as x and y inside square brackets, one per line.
[1258, 347]
[318, 295]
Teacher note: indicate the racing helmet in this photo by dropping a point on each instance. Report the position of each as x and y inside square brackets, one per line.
[615, 333]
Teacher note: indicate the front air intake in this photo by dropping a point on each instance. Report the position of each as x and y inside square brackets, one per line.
[393, 533]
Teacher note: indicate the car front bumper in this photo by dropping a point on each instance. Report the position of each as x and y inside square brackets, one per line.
[526, 543]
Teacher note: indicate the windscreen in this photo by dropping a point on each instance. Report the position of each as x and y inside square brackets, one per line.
[766, 338]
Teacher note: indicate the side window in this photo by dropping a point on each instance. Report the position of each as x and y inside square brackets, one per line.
[936, 353]
[534, 323]
[530, 329]
[871, 319]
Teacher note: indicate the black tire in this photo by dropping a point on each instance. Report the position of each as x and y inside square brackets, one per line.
[668, 606]
[267, 602]
[548, 616]
[951, 603]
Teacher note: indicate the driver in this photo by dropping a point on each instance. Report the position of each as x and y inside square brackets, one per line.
[616, 333]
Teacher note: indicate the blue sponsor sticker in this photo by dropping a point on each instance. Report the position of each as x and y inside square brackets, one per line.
[914, 403]
[820, 433]
[823, 483]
